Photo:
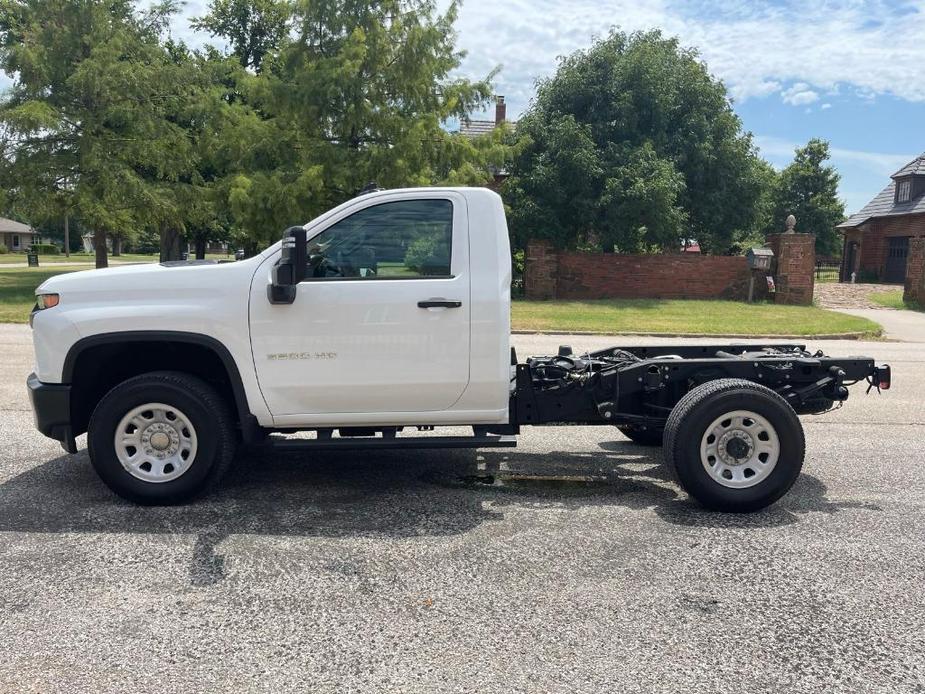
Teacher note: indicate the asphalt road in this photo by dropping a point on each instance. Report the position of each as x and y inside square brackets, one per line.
[398, 572]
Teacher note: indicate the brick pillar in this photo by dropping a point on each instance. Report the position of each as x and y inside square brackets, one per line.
[795, 261]
[915, 271]
[541, 270]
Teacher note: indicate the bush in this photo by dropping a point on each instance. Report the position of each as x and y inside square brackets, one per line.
[3, 249]
[46, 249]
[419, 252]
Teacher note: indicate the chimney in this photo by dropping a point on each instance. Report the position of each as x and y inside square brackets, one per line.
[500, 110]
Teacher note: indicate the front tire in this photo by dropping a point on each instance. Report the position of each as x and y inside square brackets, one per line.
[734, 445]
[161, 438]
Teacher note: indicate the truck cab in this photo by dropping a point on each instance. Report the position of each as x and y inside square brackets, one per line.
[401, 316]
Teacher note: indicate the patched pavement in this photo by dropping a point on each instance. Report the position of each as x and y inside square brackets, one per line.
[435, 571]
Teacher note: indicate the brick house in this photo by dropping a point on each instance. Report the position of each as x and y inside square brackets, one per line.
[877, 238]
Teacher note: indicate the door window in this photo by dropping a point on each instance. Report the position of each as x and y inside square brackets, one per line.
[407, 239]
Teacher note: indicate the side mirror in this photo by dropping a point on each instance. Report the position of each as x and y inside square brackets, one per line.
[291, 267]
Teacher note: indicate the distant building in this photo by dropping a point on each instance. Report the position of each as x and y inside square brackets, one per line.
[877, 237]
[17, 236]
[478, 128]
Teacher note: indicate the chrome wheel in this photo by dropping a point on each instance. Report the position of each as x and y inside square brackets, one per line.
[155, 442]
[739, 449]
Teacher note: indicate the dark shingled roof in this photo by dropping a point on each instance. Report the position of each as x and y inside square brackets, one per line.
[884, 206]
[914, 167]
[475, 128]
[12, 226]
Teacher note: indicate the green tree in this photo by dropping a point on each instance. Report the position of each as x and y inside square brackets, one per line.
[89, 117]
[359, 93]
[252, 27]
[632, 145]
[808, 189]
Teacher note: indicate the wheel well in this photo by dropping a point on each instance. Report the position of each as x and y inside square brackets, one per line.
[98, 368]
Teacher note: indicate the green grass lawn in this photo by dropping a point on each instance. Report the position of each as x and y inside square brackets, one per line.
[17, 296]
[17, 290]
[20, 258]
[683, 317]
[894, 299]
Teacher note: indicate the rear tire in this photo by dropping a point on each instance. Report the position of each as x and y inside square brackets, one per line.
[641, 434]
[734, 445]
[161, 438]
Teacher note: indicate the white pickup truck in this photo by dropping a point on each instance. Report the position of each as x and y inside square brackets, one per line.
[386, 317]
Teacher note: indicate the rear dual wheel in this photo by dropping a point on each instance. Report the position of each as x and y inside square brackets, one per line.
[734, 445]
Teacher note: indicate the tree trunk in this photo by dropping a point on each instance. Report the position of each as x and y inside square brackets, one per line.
[200, 249]
[116, 246]
[67, 238]
[99, 244]
[170, 244]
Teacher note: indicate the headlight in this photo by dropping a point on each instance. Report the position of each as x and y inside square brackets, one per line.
[46, 300]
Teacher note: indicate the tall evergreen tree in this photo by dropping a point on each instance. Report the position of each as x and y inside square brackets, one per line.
[89, 118]
[360, 93]
[254, 28]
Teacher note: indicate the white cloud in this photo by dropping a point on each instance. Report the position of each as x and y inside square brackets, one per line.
[825, 106]
[756, 48]
[865, 48]
[799, 94]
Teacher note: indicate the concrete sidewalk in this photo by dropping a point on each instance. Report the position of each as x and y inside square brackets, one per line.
[906, 326]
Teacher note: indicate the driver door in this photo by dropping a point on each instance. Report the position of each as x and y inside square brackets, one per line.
[381, 323]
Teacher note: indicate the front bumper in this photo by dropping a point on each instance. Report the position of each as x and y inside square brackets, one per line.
[51, 403]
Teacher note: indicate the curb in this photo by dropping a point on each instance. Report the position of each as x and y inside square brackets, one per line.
[831, 336]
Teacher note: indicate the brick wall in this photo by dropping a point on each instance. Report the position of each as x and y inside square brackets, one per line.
[794, 261]
[874, 243]
[541, 270]
[569, 275]
[915, 271]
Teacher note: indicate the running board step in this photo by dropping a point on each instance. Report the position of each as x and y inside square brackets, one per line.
[397, 442]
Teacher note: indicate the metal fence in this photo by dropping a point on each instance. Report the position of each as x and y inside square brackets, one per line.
[828, 271]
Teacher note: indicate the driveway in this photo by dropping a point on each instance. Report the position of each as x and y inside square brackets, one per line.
[906, 326]
[584, 571]
[842, 295]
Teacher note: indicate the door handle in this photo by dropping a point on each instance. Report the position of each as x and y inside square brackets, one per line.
[439, 303]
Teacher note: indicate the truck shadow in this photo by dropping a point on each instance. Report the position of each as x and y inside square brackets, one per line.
[398, 494]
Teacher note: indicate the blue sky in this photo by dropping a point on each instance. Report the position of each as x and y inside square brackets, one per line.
[849, 71]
